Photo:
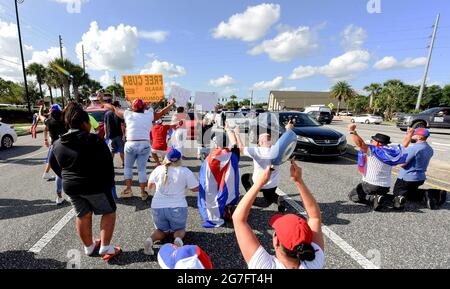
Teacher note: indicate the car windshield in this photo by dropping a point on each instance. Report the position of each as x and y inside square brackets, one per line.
[300, 120]
[99, 116]
[431, 111]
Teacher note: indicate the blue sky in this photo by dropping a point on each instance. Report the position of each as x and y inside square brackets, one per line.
[302, 44]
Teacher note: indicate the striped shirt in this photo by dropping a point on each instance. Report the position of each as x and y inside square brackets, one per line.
[378, 173]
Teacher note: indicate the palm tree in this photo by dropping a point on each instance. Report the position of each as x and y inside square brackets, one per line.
[374, 90]
[79, 78]
[392, 90]
[342, 91]
[39, 71]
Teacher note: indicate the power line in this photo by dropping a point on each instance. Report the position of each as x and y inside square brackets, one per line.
[10, 61]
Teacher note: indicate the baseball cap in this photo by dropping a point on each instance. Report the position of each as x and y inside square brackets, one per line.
[291, 230]
[138, 105]
[173, 155]
[186, 257]
[55, 108]
[422, 132]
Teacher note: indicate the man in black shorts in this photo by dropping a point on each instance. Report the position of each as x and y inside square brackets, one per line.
[115, 131]
[85, 164]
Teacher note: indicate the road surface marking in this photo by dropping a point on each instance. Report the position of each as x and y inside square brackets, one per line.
[427, 183]
[441, 144]
[37, 248]
[19, 160]
[349, 250]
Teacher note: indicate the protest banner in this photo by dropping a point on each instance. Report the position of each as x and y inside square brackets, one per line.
[181, 95]
[206, 100]
[148, 87]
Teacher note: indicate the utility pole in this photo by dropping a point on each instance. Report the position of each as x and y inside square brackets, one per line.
[84, 63]
[251, 101]
[427, 67]
[62, 60]
[21, 54]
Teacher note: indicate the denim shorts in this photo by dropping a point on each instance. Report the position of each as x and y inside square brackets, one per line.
[116, 145]
[170, 219]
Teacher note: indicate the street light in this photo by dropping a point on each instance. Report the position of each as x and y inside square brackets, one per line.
[21, 54]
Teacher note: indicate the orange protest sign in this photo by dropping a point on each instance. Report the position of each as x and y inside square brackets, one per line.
[148, 87]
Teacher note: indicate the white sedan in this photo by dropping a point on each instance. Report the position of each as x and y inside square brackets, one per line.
[368, 119]
[8, 136]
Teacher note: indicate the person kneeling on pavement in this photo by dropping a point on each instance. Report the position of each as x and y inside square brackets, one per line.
[85, 164]
[298, 244]
[413, 174]
[169, 205]
[375, 163]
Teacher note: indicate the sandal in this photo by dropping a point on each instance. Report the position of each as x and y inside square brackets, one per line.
[108, 257]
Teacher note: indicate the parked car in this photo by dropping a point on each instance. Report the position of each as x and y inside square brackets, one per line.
[8, 135]
[323, 117]
[368, 119]
[312, 138]
[345, 113]
[438, 117]
[98, 113]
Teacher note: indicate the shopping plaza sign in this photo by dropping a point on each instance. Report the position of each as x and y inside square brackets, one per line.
[148, 87]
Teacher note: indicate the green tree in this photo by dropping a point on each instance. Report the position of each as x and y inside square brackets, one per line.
[245, 102]
[432, 97]
[388, 100]
[359, 103]
[39, 71]
[117, 89]
[342, 91]
[10, 92]
[445, 96]
[374, 91]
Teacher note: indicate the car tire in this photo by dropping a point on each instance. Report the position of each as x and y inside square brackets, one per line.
[7, 142]
[353, 121]
[404, 129]
[367, 122]
[419, 124]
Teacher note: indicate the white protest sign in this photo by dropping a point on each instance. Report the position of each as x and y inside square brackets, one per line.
[206, 100]
[181, 95]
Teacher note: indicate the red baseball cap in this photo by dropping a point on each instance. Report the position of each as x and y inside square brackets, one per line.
[291, 230]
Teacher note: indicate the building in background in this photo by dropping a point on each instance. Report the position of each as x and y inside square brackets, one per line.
[298, 100]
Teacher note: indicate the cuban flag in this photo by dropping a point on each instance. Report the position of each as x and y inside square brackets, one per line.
[219, 186]
[391, 156]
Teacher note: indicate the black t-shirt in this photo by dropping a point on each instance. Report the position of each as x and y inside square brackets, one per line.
[113, 125]
[56, 128]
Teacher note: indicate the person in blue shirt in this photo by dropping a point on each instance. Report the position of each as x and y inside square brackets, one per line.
[413, 172]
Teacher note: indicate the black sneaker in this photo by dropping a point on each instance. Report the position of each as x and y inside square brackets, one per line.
[399, 203]
[430, 201]
[281, 205]
[378, 202]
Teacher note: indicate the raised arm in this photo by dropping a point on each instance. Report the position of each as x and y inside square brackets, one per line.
[310, 204]
[408, 138]
[237, 133]
[118, 111]
[42, 117]
[247, 240]
[160, 114]
[357, 139]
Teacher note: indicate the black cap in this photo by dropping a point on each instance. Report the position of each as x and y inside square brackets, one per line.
[382, 138]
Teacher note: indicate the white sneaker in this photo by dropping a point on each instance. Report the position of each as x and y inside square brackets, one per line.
[178, 242]
[59, 201]
[47, 177]
[148, 247]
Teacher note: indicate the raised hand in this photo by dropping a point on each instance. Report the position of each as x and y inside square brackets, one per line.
[296, 172]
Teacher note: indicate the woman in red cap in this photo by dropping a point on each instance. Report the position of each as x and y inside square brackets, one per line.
[298, 243]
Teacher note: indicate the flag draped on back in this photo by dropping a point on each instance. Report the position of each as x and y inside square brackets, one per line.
[219, 186]
[391, 156]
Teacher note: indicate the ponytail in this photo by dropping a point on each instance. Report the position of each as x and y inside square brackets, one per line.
[166, 172]
[303, 252]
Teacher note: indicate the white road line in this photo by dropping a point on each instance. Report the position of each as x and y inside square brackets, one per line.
[37, 248]
[16, 161]
[441, 144]
[439, 150]
[349, 250]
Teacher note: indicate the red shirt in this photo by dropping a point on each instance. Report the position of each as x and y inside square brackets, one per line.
[159, 137]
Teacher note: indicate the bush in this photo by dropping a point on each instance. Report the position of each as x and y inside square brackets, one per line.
[15, 115]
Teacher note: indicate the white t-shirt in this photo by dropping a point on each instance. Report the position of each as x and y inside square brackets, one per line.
[264, 261]
[139, 125]
[172, 194]
[378, 173]
[261, 161]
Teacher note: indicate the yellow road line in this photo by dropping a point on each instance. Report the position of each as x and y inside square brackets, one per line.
[427, 183]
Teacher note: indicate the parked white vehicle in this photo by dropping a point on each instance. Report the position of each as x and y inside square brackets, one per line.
[319, 108]
[8, 135]
[368, 119]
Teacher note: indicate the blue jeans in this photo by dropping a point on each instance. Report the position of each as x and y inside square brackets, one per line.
[137, 152]
[170, 219]
[58, 185]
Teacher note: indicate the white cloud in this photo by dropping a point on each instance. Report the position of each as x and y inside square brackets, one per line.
[353, 38]
[390, 62]
[250, 25]
[169, 70]
[106, 79]
[222, 81]
[230, 90]
[290, 88]
[343, 67]
[45, 57]
[110, 49]
[269, 85]
[156, 36]
[11, 65]
[288, 44]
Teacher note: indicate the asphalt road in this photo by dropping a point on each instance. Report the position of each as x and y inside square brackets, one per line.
[356, 237]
